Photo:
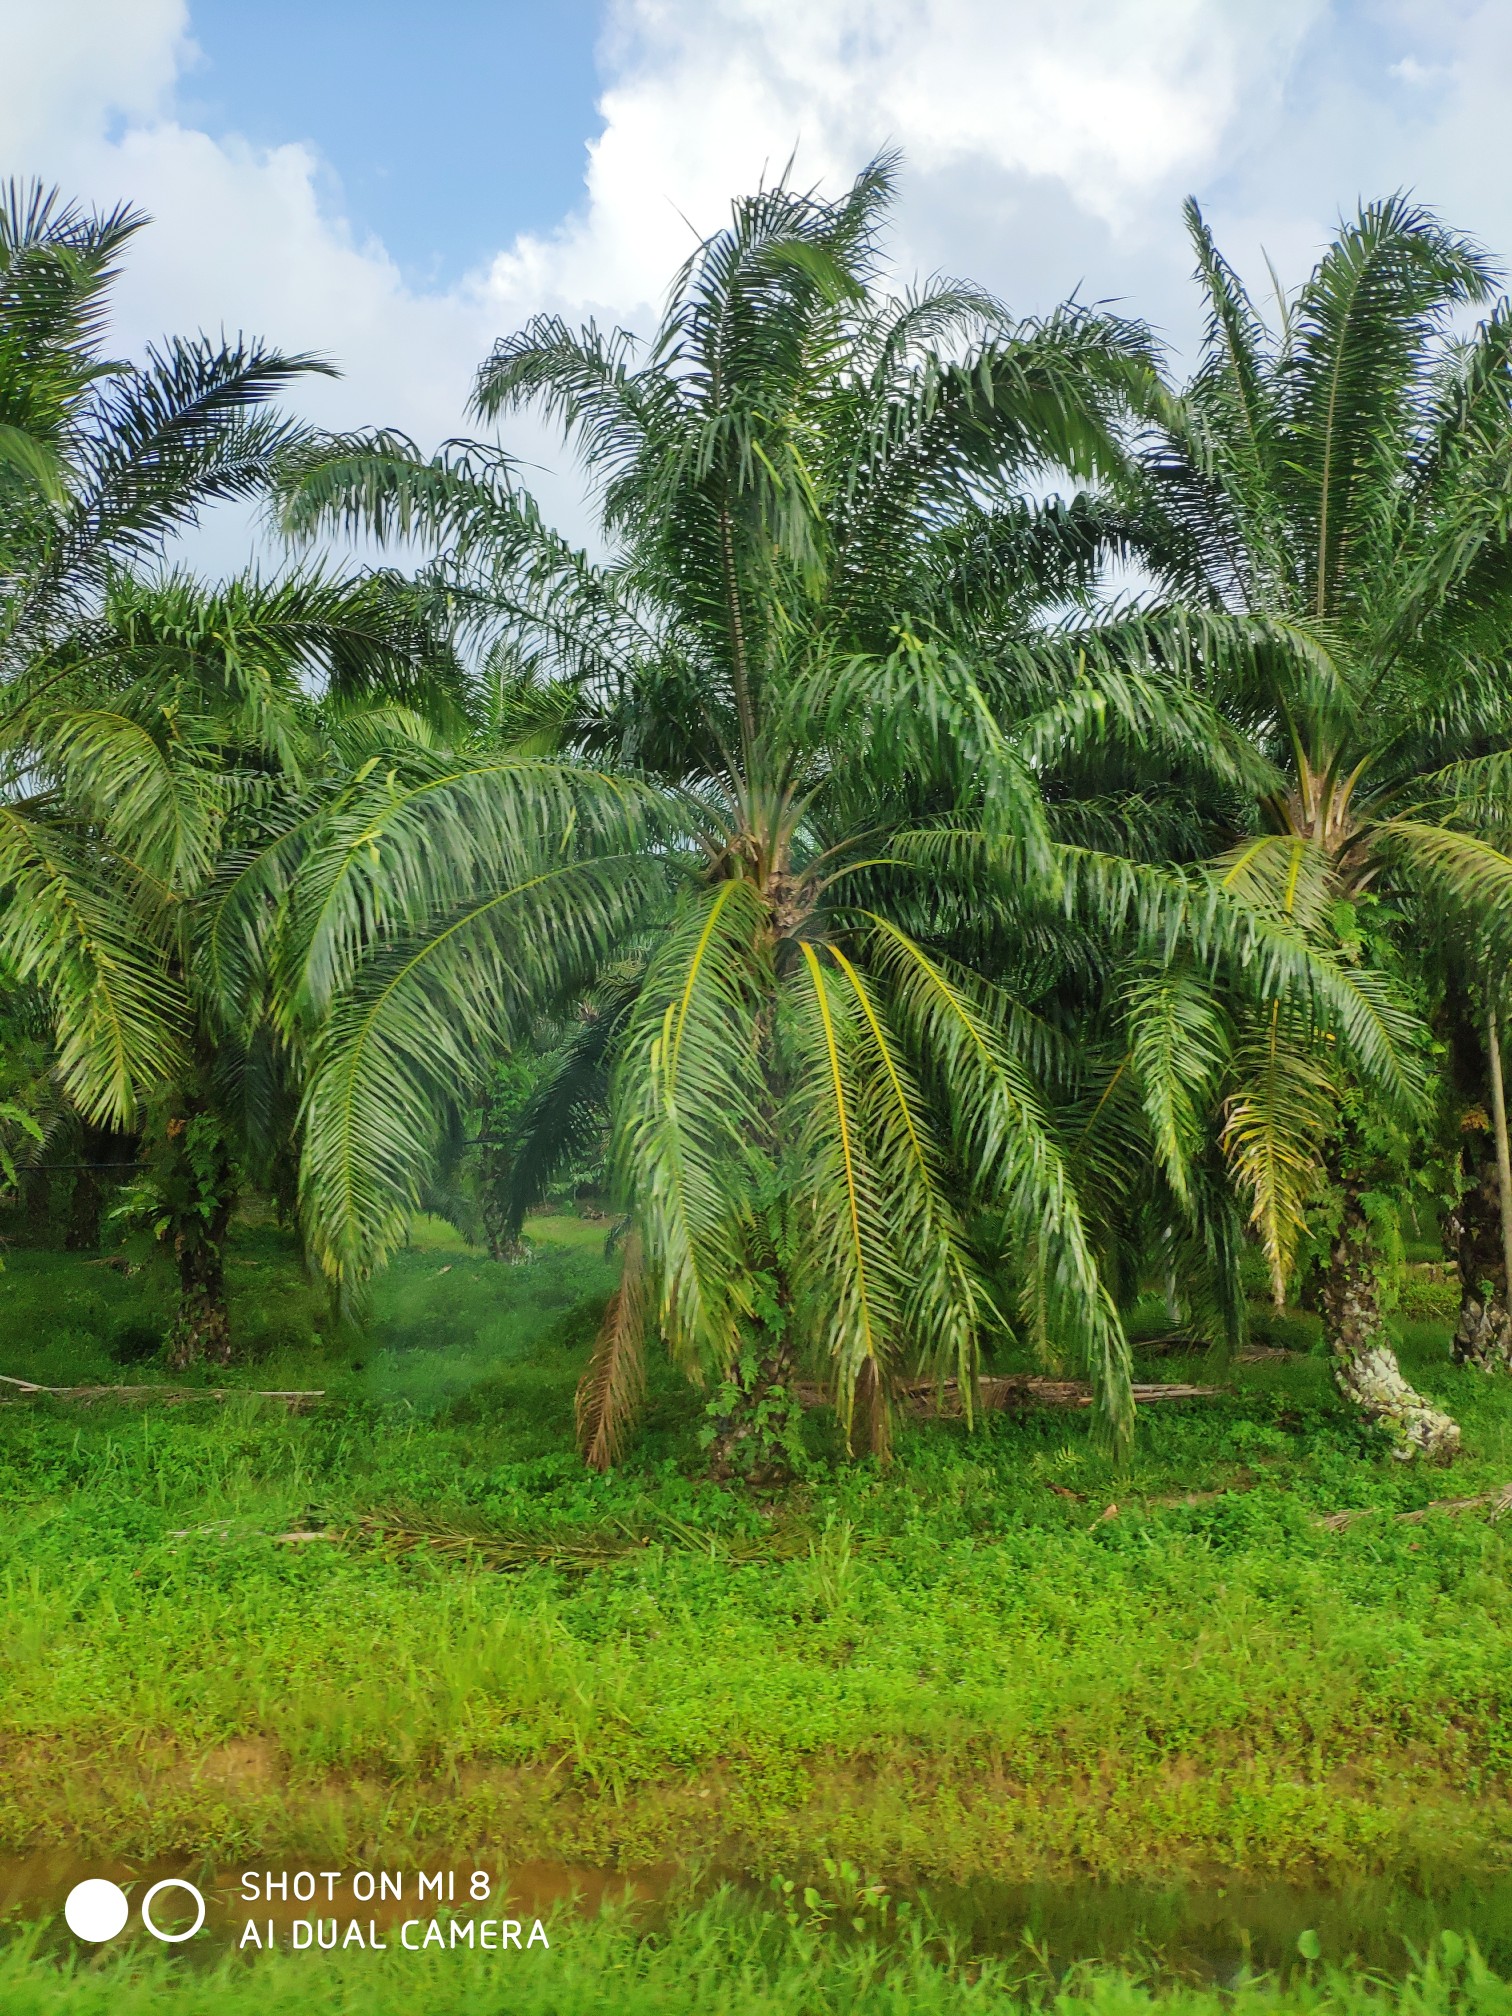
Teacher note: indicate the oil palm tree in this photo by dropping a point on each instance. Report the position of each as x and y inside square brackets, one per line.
[100, 463]
[767, 791]
[146, 723]
[142, 751]
[1329, 497]
[808, 1101]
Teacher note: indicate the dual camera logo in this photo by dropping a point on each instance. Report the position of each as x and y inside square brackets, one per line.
[98, 1909]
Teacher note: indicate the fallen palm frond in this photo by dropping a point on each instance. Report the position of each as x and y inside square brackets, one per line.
[1182, 1344]
[1496, 1502]
[943, 1396]
[27, 1389]
[497, 1547]
[588, 1547]
[226, 1529]
[1177, 1499]
[457, 1538]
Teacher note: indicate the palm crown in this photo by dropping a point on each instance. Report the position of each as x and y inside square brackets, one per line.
[151, 728]
[1329, 502]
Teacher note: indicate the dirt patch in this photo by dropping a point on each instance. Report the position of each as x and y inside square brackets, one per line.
[246, 1764]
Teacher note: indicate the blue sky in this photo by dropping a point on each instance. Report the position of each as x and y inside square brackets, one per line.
[451, 126]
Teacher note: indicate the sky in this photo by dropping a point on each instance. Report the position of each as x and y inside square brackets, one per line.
[444, 130]
[396, 185]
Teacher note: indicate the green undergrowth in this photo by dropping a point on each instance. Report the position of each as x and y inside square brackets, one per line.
[715, 1958]
[1001, 1657]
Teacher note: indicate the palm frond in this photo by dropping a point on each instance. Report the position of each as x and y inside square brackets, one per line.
[612, 1388]
[1012, 1162]
[1178, 1050]
[1277, 1118]
[691, 1138]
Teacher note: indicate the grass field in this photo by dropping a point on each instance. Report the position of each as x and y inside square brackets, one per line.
[715, 1960]
[967, 1668]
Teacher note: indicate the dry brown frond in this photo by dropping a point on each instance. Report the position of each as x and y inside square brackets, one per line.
[613, 1384]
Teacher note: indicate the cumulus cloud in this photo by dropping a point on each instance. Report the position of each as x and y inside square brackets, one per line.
[1044, 140]
[1047, 145]
[69, 70]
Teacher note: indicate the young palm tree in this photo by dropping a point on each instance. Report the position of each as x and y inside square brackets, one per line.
[1330, 497]
[808, 1099]
[145, 725]
[145, 749]
[796, 791]
[100, 462]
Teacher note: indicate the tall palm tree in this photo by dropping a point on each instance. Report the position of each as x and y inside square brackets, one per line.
[1329, 499]
[789, 797]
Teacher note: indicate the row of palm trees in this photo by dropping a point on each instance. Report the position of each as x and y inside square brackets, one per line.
[946, 947]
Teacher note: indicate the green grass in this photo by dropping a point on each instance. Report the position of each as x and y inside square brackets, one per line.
[443, 1317]
[718, 1957]
[947, 1672]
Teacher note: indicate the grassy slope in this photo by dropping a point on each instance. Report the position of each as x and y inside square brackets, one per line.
[950, 1670]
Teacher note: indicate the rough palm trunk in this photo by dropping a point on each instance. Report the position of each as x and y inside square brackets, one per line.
[84, 1207]
[748, 1439]
[1473, 1236]
[1503, 1146]
[502, 1244]
[37, 1206]
[1365, 1365]
[202, 1325]
[86, 1202]
[195, 1182]
[871, 1419]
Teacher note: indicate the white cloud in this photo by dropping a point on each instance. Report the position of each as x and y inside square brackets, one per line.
[1056, 128]
[69, 69]
[1047, 144]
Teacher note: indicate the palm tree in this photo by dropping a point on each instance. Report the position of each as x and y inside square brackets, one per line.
[100, 463]
[1327, 500]
[147, 724]
[768, 798]
[156, 742]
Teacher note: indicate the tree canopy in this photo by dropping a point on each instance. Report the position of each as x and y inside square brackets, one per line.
[938, 946]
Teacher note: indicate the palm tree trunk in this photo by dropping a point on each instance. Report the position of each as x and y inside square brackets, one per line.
[1365, 1365]
[748, 1439]
[86, 1202]
[198, 1182]
[37, 1206]
[1503, 1155]
[202, 1325]
[1473, 1236]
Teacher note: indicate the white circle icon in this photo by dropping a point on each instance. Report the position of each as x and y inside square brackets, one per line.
[96, 1910]
[171, 1883]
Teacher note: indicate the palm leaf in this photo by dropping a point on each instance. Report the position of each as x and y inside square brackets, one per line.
[613, 1385]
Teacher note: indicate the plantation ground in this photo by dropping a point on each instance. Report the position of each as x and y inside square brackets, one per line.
[968, 1668]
